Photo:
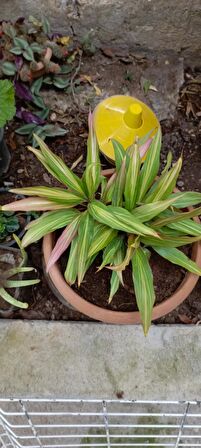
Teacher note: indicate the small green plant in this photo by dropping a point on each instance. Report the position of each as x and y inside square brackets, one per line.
[7, 102]
[33, 57]
[9, 224]
[124, 216]
[10, 278]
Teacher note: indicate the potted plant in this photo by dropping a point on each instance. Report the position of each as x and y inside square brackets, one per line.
[7, 112]
[13, 266]
[126, 217]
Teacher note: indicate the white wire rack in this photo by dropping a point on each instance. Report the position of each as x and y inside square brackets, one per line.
[65, 423]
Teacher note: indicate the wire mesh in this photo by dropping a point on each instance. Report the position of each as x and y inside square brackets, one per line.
[65, 423]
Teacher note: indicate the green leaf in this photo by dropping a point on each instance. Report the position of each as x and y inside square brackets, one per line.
[36, 86]
[165, 184]
[46, 25]
[143, 285]
[7, 102]
[186, 199]
[85, 234]
[53, 130]
[28, 54]
[62, 172]
[166, 240]
[20, 42]
[36, 48]
[150, 167]
[149, 211]
[26, 129]
[187, 226]
[116, 277]
[60, 82]
[130, 192]
[171, 216]
[101, 238]
[8, 298]
[177, 257]
[109, 189]
[16, 50]
[48, 222]
[118, 218]
[92, 175]
[38, 101]
[20, 283]
[119, 153]
[117, 197]
[9, 29]
[110, 251]
[70, 273]
[168, 163]
[58, 195]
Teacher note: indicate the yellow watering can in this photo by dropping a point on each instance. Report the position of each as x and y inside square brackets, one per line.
[123, 118]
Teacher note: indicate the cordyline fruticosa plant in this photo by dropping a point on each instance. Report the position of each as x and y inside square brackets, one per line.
[122, 216]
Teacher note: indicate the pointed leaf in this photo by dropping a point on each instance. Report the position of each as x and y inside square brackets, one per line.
[116, 277]
[33, 204]
[150, 167]
[48, 222]
[149, 211]
[20, 283]
[70, 273]
[85, 235]
[110, 251]
[119, 185]
[143, 285]
[130, 192]
[119, 153]
[186, 199]
[166, 183]
[118, 218]
[56, 164]
[102, 237]
[109, 189]
[166, 240]
[177, 257]
[170, 217]
[8, 298]
[63, 242]
[58, 195]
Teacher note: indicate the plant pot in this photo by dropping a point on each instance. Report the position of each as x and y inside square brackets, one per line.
[9, 258]
[70, 298]
[5, 156]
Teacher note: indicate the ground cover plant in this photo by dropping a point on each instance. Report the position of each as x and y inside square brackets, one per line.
[122, 217]
[33, 57]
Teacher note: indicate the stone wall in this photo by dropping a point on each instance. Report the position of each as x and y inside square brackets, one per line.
[151, 24]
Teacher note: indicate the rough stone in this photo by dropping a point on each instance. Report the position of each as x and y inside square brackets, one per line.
[83, 360]
[153, 25]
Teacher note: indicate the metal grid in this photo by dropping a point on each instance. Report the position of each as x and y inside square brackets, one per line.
[64, 423]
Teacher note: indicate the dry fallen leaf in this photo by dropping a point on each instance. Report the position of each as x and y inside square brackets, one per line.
[185, 319]
[89, 80]
[64, 40]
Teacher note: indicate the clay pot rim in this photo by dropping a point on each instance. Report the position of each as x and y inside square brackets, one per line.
[118, 317]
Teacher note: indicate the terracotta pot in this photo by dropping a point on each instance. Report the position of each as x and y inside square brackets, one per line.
[69, 297]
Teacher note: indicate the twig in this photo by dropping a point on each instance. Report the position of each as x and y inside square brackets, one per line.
[72, 83]
[77, 161]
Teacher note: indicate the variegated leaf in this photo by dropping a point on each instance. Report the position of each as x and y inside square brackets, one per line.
[150, 167]
[118, 218]
[56, 164]
[85, 235]
[58, 195]
[48, 222]
[70, 273]
[132, 174]
[143, 285]
[149, 211]
[33, 204]
[117, 197]
[119, 153]
[186, 199]
[177, 257]
[166, 184]
[63, 242]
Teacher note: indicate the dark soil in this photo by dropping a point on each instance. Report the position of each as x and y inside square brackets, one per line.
[181, 134]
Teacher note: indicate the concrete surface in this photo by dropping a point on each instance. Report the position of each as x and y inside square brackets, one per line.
[157, 25]
[89, 360]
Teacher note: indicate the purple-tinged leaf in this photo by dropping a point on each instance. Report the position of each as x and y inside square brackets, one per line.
[144, 148]
[18, 62]
[20, 20]
[22, 91]
[63, 242]
[29, 117]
